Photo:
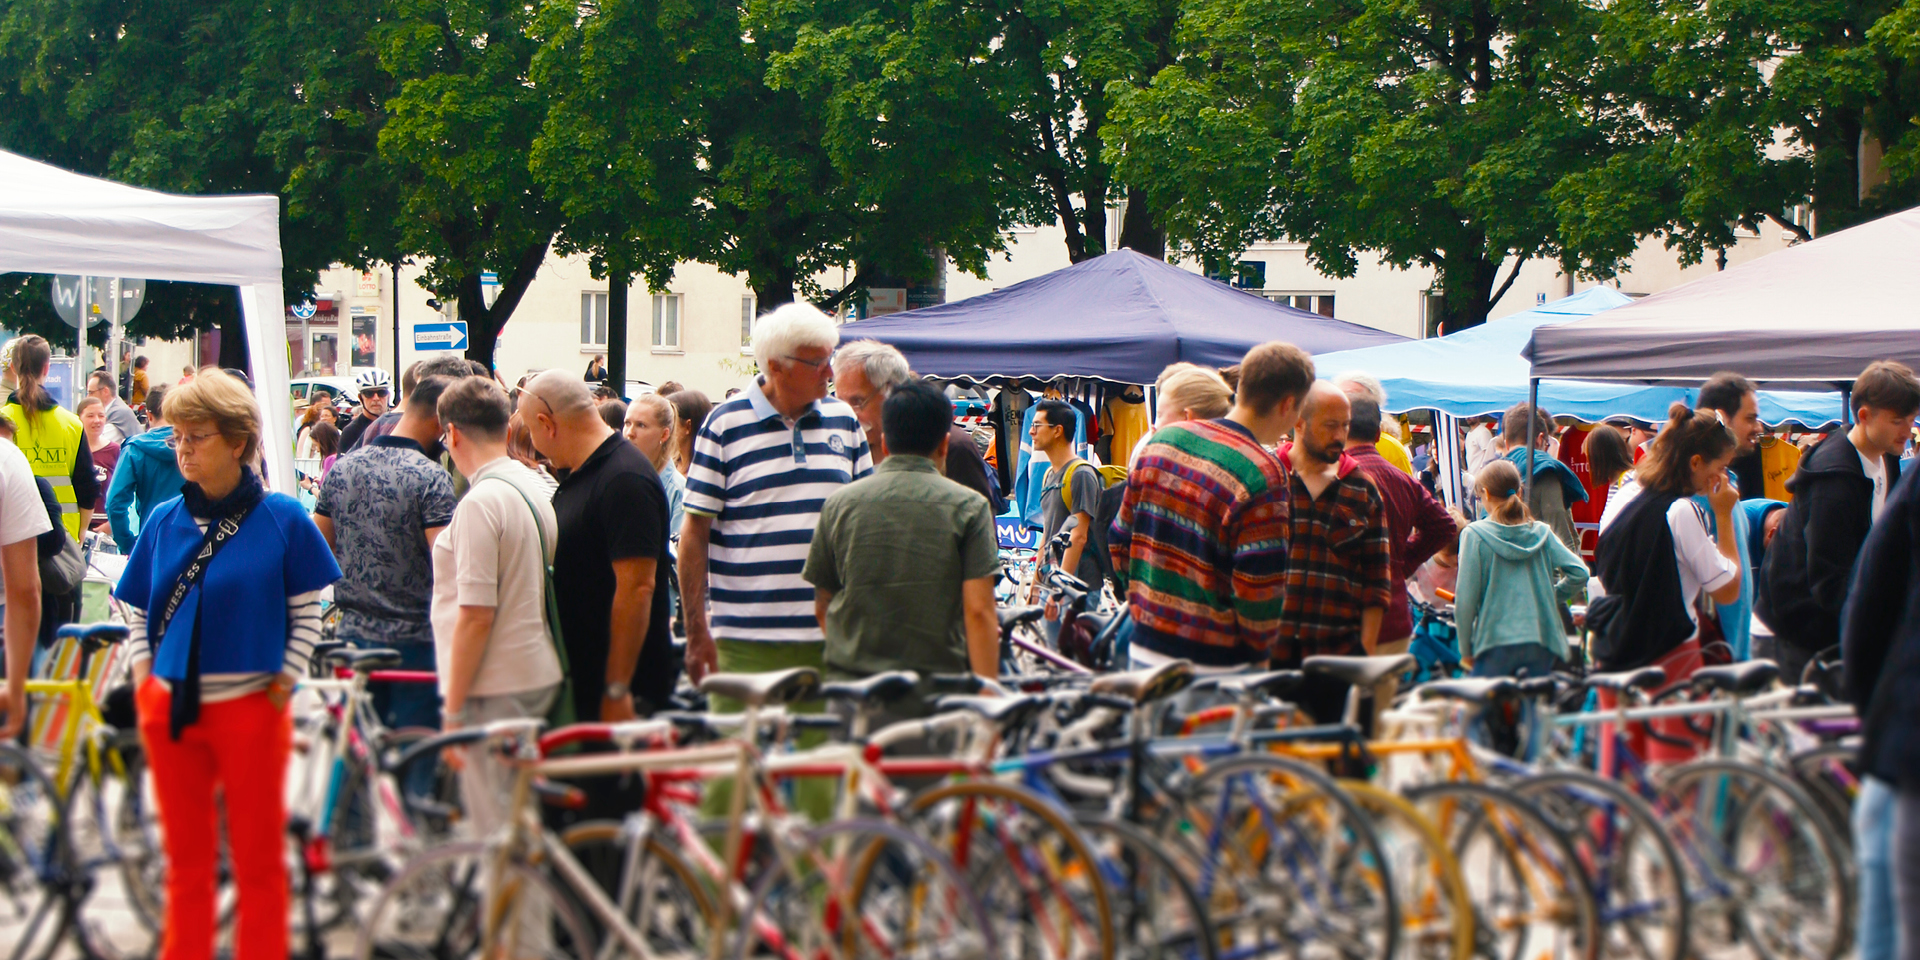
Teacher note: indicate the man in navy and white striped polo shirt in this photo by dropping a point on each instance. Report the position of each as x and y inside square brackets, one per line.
[762, 466]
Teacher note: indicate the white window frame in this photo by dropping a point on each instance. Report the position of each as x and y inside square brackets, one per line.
[661, 344]
[596, 301]
[749, 312]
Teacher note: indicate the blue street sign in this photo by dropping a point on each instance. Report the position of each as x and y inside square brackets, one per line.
[440, 336]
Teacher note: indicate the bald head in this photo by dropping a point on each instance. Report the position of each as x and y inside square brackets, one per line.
[1322, 433]
[564, 393]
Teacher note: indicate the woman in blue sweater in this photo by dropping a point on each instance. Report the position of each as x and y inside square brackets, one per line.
[217, 645]
[1514, 576]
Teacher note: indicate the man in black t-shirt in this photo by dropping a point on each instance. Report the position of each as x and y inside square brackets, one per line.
[610, 565]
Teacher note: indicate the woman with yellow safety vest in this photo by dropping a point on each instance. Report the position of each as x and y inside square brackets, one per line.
[52, 438]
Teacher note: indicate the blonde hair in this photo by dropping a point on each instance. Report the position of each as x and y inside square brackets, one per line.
[1197, 389]
[217, 398]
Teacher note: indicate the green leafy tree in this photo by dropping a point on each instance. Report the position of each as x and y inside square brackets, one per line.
[1468, 136]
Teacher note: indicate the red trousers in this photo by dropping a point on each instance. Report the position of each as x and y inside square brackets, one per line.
[238, 750]
[1679, 663]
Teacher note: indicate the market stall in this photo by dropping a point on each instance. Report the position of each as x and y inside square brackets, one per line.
[57, 221]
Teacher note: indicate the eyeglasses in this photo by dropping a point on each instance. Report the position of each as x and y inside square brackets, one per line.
[178, 440]
[364, 394]
[815, 364]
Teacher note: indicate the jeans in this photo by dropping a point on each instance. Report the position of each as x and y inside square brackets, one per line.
[1873, 816]
[399, 704]
[1906, 870]
[1511, 660]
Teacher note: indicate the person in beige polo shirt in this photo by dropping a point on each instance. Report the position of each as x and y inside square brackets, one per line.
[495, 654]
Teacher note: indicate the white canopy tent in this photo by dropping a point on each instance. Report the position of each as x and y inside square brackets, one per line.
[57, 221]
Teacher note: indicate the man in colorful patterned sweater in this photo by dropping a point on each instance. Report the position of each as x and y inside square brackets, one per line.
[1202, 532]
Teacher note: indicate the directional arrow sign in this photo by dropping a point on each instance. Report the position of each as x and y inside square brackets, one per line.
[440, 336]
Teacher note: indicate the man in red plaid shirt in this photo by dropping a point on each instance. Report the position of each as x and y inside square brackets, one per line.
[1339, 563]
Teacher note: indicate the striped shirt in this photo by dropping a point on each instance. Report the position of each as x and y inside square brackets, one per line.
[1202, 539]
[763, 479]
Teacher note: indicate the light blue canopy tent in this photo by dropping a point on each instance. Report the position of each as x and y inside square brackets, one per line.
[1480, 371]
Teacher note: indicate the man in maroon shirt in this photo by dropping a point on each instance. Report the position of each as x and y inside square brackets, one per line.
[1417, 524]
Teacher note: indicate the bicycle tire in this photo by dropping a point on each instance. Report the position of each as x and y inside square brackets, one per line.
[1272, 888]
[600, 846]
[1436, 910]
[1044, 873]
[1566, 918]
[433, 911]
[113, 823]
[1814, 771]
[1145, 882]
[874, 853]
[1599, 815]
[36, 867]
[1729, 905]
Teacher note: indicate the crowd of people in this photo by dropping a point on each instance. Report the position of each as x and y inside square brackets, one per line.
[540, 549]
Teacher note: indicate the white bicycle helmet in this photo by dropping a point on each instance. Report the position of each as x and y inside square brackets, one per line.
[375, 379]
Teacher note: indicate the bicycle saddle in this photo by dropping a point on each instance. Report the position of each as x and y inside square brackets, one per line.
[1739, 679]
[1273, 683]
[1001, 711]
[1478, 691]
[361, 661]
[879, 688]
[1142, 686]
[1011, 617]
[1645, 678]
[1359, 671]
[760, 689]
[94, 635]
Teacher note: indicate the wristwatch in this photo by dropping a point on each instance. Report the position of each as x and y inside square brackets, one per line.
[618, 691]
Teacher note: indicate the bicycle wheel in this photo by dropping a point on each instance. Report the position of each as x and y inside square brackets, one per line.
[864, 889]
[1638, 883]
[1156, 913]
[1531, 898]
[1765, 871]
[35, 866]
[1028, 864]
[665, 900]
[1436, 912]
[1831, 779]
[1289, 866]
[115, 833]
[446, 906]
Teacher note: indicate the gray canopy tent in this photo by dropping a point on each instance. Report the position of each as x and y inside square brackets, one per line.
[1810, 317]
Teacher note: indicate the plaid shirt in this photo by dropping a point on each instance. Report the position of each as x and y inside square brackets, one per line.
[1339, 563]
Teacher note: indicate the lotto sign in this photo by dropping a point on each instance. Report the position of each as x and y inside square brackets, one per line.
[451, 335]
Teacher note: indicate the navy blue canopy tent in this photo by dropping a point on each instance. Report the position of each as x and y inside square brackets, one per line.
[1121, 317]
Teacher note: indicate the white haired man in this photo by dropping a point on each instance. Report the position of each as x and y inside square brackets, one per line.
[1357, 384]
[864, 373]
[763, 464]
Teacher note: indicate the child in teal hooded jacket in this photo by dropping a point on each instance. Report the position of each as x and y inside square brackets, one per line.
[1514, 576]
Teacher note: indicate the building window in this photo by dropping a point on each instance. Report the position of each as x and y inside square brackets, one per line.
[593, 319]
[666, 321]
[1320, 303]
[746, 323]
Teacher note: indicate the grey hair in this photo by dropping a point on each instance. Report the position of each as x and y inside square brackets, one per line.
[791, 327]
[1365, 381]
[885, 366]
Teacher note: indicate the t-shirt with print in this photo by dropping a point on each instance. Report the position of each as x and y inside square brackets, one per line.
[382, 499]
[1086, 488]
[763, 480]
[491, 556]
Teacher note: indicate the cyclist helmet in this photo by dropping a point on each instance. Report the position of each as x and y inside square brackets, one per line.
[375, 379]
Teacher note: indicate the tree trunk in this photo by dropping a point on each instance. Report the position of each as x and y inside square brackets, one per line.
[485, 323]
[1140, 230]
[617, 288]
[1466, 288]
[775, 289]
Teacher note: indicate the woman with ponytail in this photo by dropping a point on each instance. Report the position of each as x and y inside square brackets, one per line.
[53, 438]
[1660, 558]
[1515, 575]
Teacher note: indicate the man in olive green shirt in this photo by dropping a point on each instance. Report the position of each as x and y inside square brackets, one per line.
[902, 562]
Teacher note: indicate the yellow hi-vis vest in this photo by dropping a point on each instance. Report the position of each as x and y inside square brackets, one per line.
[51, 440]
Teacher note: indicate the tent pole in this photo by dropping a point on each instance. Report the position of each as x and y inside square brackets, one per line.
[1846, 406]
[78, 386]
[1533, 416]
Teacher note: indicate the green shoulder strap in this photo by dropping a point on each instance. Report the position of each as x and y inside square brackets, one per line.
[562, 712]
